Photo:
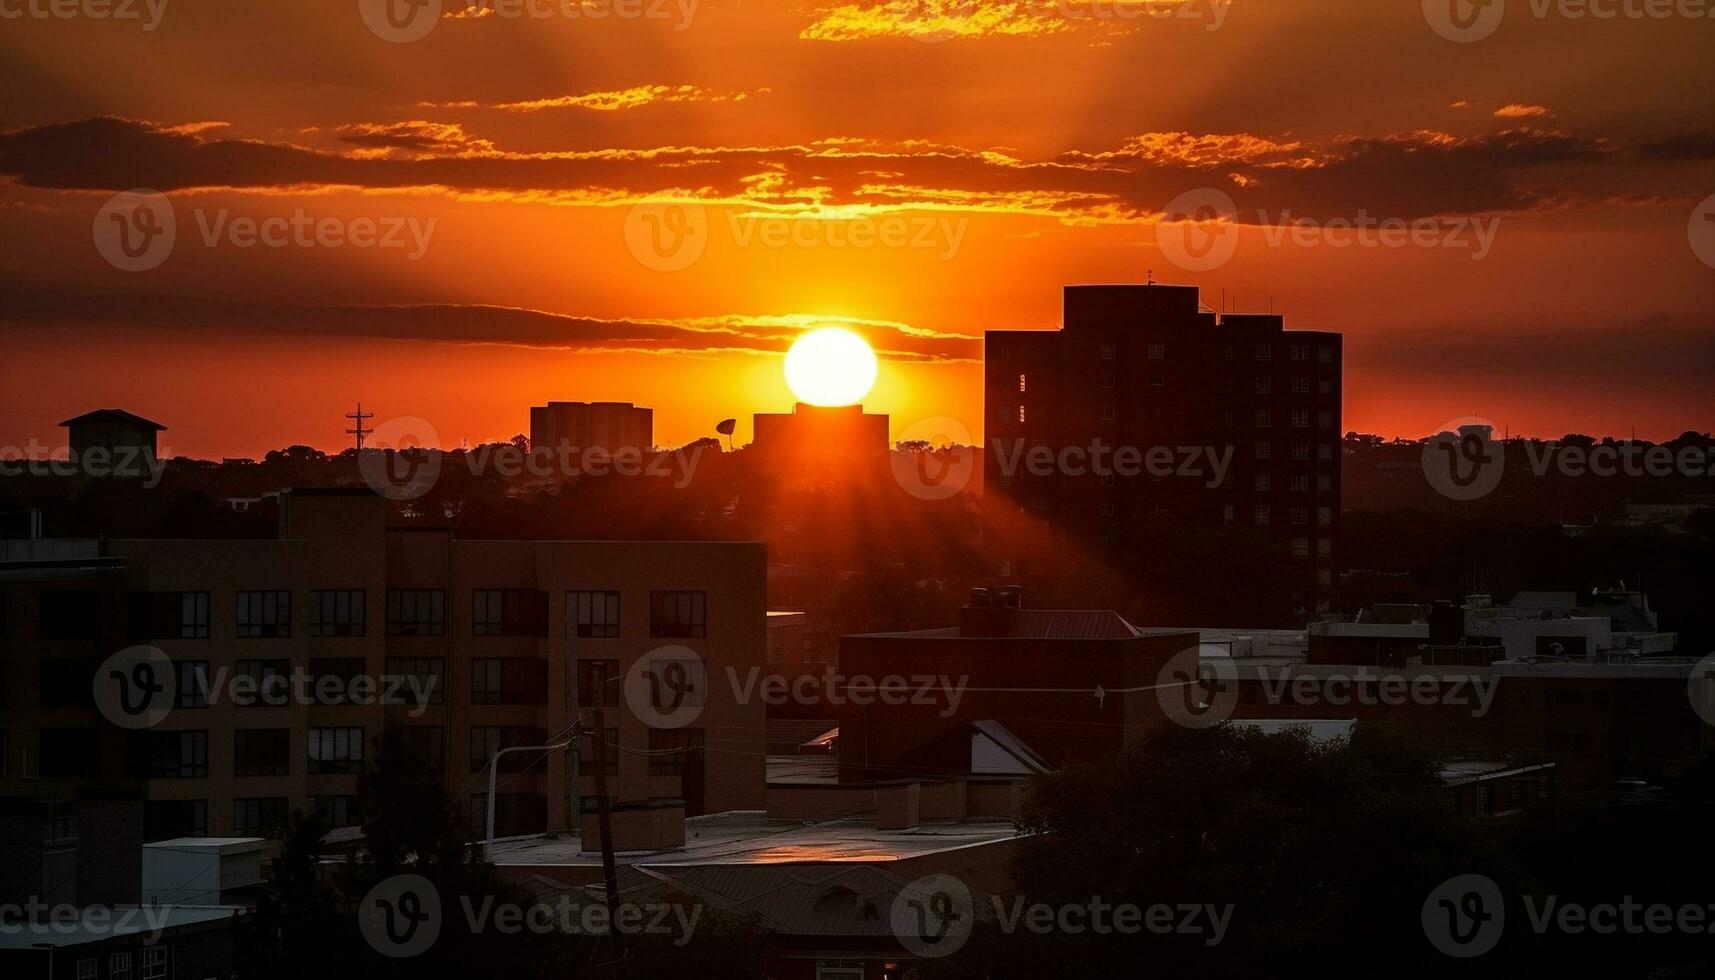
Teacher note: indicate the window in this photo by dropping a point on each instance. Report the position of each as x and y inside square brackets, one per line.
[65, 683]
[1023, 384]
[337, 612]
[1325, 420]
[595, 615]
[178, 755]
[1104, 510]
[168, 616]
[586, 753]
[154, 962]
[259, 816]
[508, 680]
[1264, 450]
[1157, 352]
[414, 681]
[1300, 418]
[678, 614]
[336, 750]
[192, 683]
[261, 752]
[1325, 451]
[331, 678]
[166, 819]
[1301, 547]
[261, 683]
[416, 612]
[1109, 352]
[1261, 483]
[1325, 354]
[1263, 385]
[1324, 387]
[119, 966]
[1324, 547]
[1300, 352]
[1108, 413]
[1300, 516]
[1324, 484]
[1301, 386]
[1228, 514]
[1108, 380]
[264, 615]
[1021, 415]
[1264, 353]
[509, 612]
[1300, 450]
[1264, 418]
[87, 968]
[70, 614]
[486, 740]
[1259, 515]
[670, 751]
[1324, 516]
[599, 684]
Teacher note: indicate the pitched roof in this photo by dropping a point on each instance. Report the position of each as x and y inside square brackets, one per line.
[114, 415]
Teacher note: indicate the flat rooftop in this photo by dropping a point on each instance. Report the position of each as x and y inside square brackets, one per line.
[747, 838]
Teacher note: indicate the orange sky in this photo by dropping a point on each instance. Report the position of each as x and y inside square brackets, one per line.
[989, 159]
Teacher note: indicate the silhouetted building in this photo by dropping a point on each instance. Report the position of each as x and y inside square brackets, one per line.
[813, 432]
[592, 425]
[1148, 372]
[112, 430]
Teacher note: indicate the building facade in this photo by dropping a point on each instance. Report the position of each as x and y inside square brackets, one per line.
[610, 426]
[1148, 371]
[293, 655]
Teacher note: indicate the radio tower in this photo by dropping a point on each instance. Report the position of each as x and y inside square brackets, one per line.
[359, 416]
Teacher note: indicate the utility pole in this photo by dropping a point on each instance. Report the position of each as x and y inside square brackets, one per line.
[604, 821]
[359, 416]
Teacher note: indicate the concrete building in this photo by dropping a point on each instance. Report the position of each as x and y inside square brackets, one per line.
[112, 431]
[1148, 368]
[592, 425]
[813, 433]
[518, 638]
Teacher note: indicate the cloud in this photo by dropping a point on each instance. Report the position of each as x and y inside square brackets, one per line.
[942, 20]
[24, 305]
[636, 97]
[1409, 174]
[1518, 110]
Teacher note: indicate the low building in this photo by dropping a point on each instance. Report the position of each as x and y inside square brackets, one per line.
[579, 426]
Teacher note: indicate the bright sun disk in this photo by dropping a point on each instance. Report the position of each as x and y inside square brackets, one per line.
[831, 366]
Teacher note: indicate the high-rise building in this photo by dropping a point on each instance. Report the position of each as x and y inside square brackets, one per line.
[1148, 403]
[611, 426]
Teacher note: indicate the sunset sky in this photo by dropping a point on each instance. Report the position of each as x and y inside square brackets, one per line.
[917, 172]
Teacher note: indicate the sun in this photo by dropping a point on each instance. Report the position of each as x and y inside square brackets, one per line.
[831, 366]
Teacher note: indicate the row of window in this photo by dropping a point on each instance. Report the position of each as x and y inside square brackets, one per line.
[1261, 353]
[151, 964]
[75, 614]
[1298, 418]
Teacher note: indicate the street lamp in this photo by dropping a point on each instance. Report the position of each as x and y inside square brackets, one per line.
[493, 771]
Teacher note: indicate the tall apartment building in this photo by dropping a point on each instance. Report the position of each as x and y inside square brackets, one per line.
[1148, 369]
[592, 425]
[518, 636]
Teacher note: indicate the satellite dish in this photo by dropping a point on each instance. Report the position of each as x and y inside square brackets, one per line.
[726, 429]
